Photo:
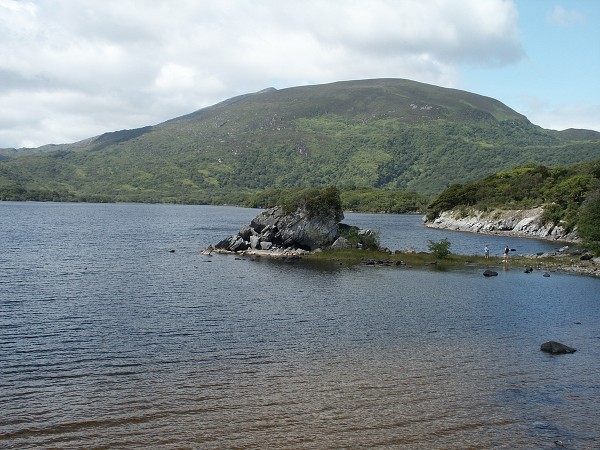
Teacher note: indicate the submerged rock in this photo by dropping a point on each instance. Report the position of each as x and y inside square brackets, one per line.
[556, 348]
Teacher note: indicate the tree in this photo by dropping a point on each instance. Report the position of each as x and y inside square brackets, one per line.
[588, 223]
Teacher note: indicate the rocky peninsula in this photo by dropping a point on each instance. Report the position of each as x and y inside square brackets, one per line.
[519, 223]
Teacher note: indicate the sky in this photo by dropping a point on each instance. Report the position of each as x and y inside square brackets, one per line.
[71, 70]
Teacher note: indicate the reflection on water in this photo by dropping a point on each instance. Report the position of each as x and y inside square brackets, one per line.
[109, 338]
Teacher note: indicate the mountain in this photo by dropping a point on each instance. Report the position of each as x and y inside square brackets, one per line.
[383, 133]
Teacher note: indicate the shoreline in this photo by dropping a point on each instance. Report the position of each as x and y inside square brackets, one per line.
[354, 257]
[522, 223]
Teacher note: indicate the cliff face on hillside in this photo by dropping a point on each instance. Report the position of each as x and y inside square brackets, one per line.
[520, 223]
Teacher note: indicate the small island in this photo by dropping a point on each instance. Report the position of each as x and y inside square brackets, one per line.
[308, 222]
[308, 226]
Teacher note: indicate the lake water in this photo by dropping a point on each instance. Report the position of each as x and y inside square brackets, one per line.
[116, 333]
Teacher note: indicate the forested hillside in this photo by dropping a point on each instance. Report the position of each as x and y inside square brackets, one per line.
[387, 134]
[569, 195]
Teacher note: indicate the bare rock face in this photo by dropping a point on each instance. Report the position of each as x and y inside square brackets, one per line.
[523, 223]
[296, 230]
[275, 231]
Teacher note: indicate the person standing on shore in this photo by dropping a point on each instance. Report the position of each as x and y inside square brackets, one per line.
[506, 250]
[487, 252]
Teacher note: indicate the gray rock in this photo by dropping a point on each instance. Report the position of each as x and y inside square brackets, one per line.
[526, 223]
[341, 242]
[298, 231]
[225, 243]
[246, 233]
[239, 244]
[556, 348]
[268, 218]
[270, 233]
[265, 245]
[233, 243]
[490, 273]
[254, 242]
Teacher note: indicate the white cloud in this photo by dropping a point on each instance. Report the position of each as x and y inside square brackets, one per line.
[70, 70]
[561, 117]
[563, 18]
[557, 116]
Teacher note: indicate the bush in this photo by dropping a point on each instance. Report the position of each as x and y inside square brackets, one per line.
[316, 201]
[367, 241]
[440, 249]
[552, 214]
[588, 223]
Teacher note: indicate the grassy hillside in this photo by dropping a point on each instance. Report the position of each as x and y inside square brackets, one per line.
[570, 196]
[387, 134]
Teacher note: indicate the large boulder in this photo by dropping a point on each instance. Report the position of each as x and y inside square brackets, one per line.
[274, 229]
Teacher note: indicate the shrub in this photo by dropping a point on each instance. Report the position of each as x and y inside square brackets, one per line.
[316, 201]
[553, 214]
[440, 249]
[368, 240]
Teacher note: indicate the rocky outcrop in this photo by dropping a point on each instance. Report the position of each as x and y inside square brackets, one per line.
[556, 348]
[520, 223]
[490, 273]
[275, 232]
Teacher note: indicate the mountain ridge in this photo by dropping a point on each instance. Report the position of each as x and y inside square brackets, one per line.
[382, 133]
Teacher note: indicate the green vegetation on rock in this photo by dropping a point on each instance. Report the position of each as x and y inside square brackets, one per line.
[316, 202]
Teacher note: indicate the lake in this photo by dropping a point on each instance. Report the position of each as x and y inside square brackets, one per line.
[115, 332]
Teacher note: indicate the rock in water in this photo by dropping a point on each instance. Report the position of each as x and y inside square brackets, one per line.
[490, 273]
[556, 348]
[299, 231]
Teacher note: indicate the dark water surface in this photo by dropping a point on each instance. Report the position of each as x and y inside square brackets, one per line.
[108, 339]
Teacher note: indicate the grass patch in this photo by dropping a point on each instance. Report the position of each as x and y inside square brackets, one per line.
[353, 257]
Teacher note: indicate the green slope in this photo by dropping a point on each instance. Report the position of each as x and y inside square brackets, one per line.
[384, 133]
